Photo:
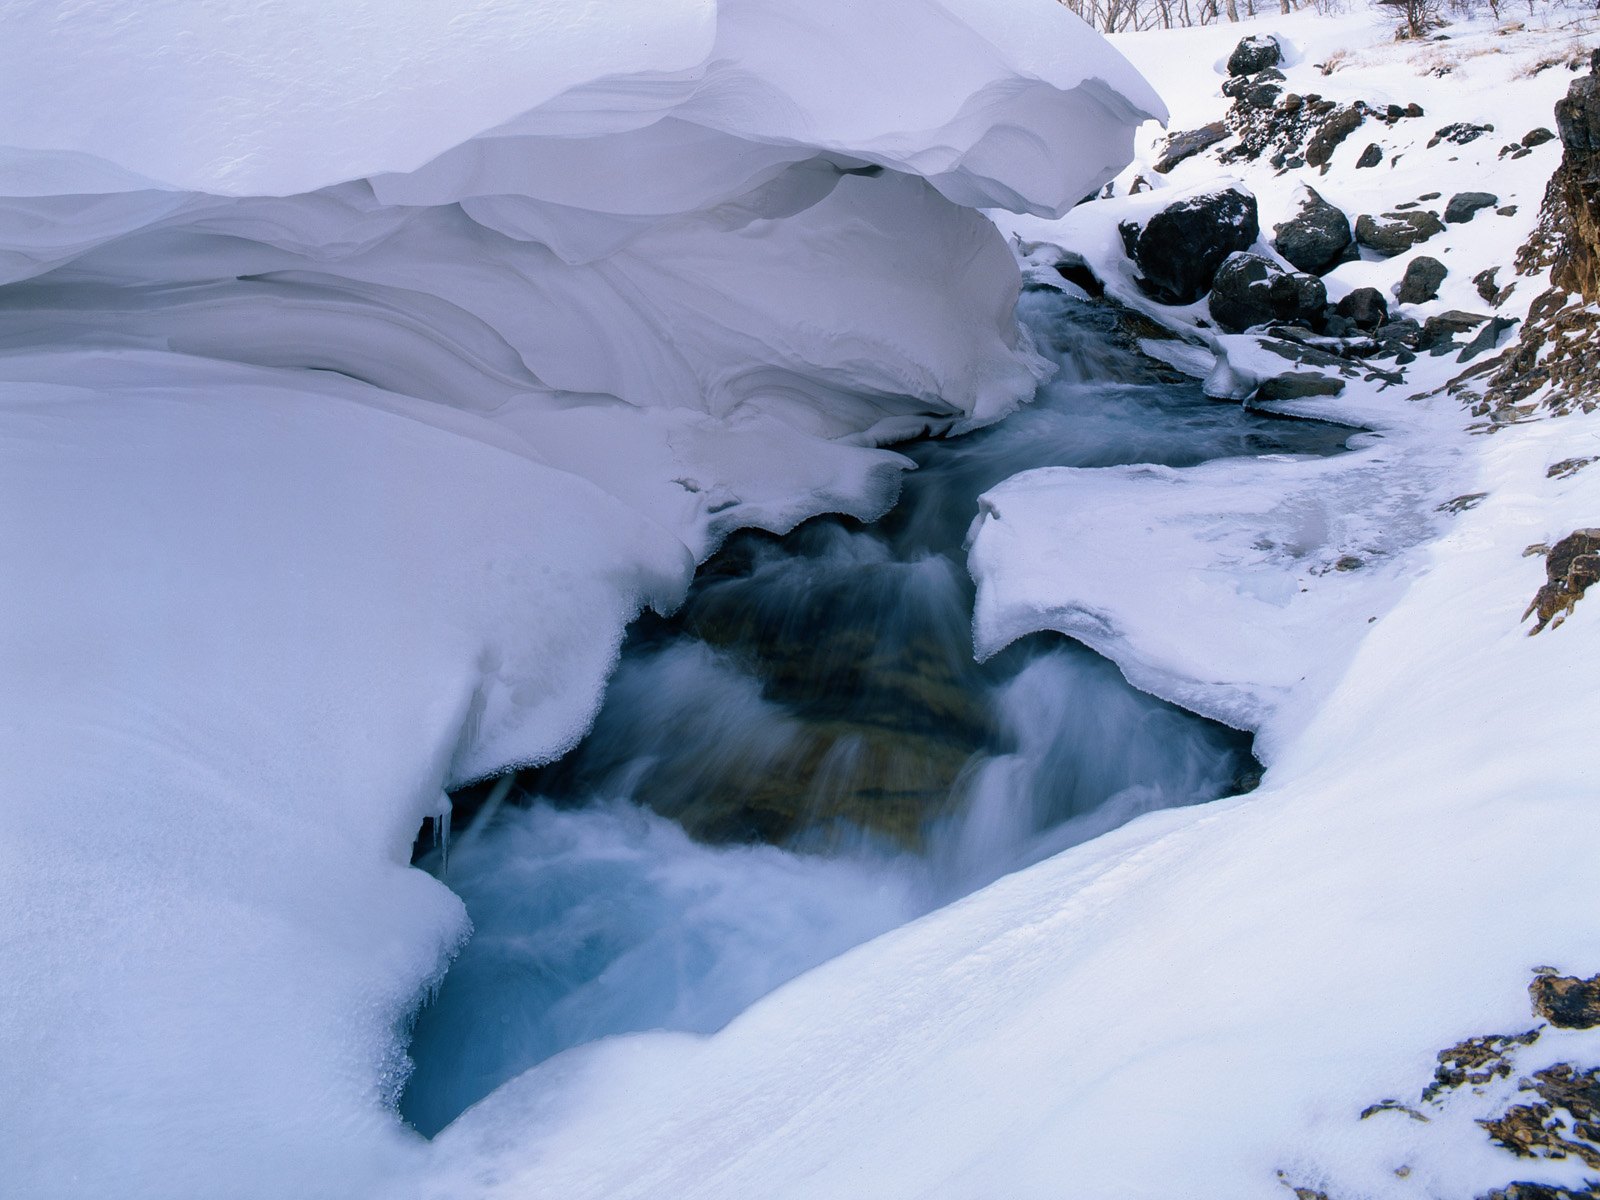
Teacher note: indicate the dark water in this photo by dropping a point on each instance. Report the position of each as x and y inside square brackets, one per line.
[807, 755]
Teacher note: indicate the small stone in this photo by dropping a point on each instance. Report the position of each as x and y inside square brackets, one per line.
[1372, 156]
[1510, 210]
[1414, 110]
[1537, 137]
[1464, 206]
[1422, 279]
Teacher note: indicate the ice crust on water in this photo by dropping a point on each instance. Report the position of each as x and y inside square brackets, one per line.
[362, 370]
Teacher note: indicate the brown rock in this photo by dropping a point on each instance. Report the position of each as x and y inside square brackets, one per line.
[1566, 1001]
[1573, 565]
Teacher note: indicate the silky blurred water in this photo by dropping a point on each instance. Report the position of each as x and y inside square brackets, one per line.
[807, 756]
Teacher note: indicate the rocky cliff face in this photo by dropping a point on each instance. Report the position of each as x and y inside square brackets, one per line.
[1574, 195]
[1560, 344]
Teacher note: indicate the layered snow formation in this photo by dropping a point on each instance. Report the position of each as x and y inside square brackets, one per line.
[363, 369]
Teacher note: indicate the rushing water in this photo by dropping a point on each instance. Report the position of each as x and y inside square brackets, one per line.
[807, 755]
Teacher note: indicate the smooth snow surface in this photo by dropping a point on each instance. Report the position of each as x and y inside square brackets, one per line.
[363, 369]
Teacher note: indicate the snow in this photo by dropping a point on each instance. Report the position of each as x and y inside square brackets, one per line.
[343, 433]
[1193, 1002]
[1202, 1002]
[364, 371]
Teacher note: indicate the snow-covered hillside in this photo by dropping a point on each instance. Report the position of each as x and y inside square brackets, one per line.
[365, 369]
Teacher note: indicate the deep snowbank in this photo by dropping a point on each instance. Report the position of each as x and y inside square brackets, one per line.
[362, 371]
[1205, 1002]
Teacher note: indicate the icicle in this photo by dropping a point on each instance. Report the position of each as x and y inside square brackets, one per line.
[485, 815]
[441, 833]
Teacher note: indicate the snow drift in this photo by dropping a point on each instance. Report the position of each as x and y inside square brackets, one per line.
[362, 371]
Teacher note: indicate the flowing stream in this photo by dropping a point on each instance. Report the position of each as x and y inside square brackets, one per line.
[807, 755]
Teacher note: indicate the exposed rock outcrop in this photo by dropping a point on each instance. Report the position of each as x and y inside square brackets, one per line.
[1571, 568]
[1555, 363]
[1565, 1000]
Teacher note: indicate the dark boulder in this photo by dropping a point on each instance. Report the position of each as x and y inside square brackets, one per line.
[1299, 385]
[1372, 156]
[1254, 54]
[1396, 232]
[1537, 137]
[1179, 249]
[1486, 339]
[1464, 206]
[1181, 146]
[1251, 290]
[1402, 331]
[1422, 279]
[1365, 308]
[1440, 334]
[1317, 238]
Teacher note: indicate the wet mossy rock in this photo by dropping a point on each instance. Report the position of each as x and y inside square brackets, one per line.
[1317, 238]
[1393, 233]
[1422, 279]
[1179, 249]
[1255, 53]
[1250, 290]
